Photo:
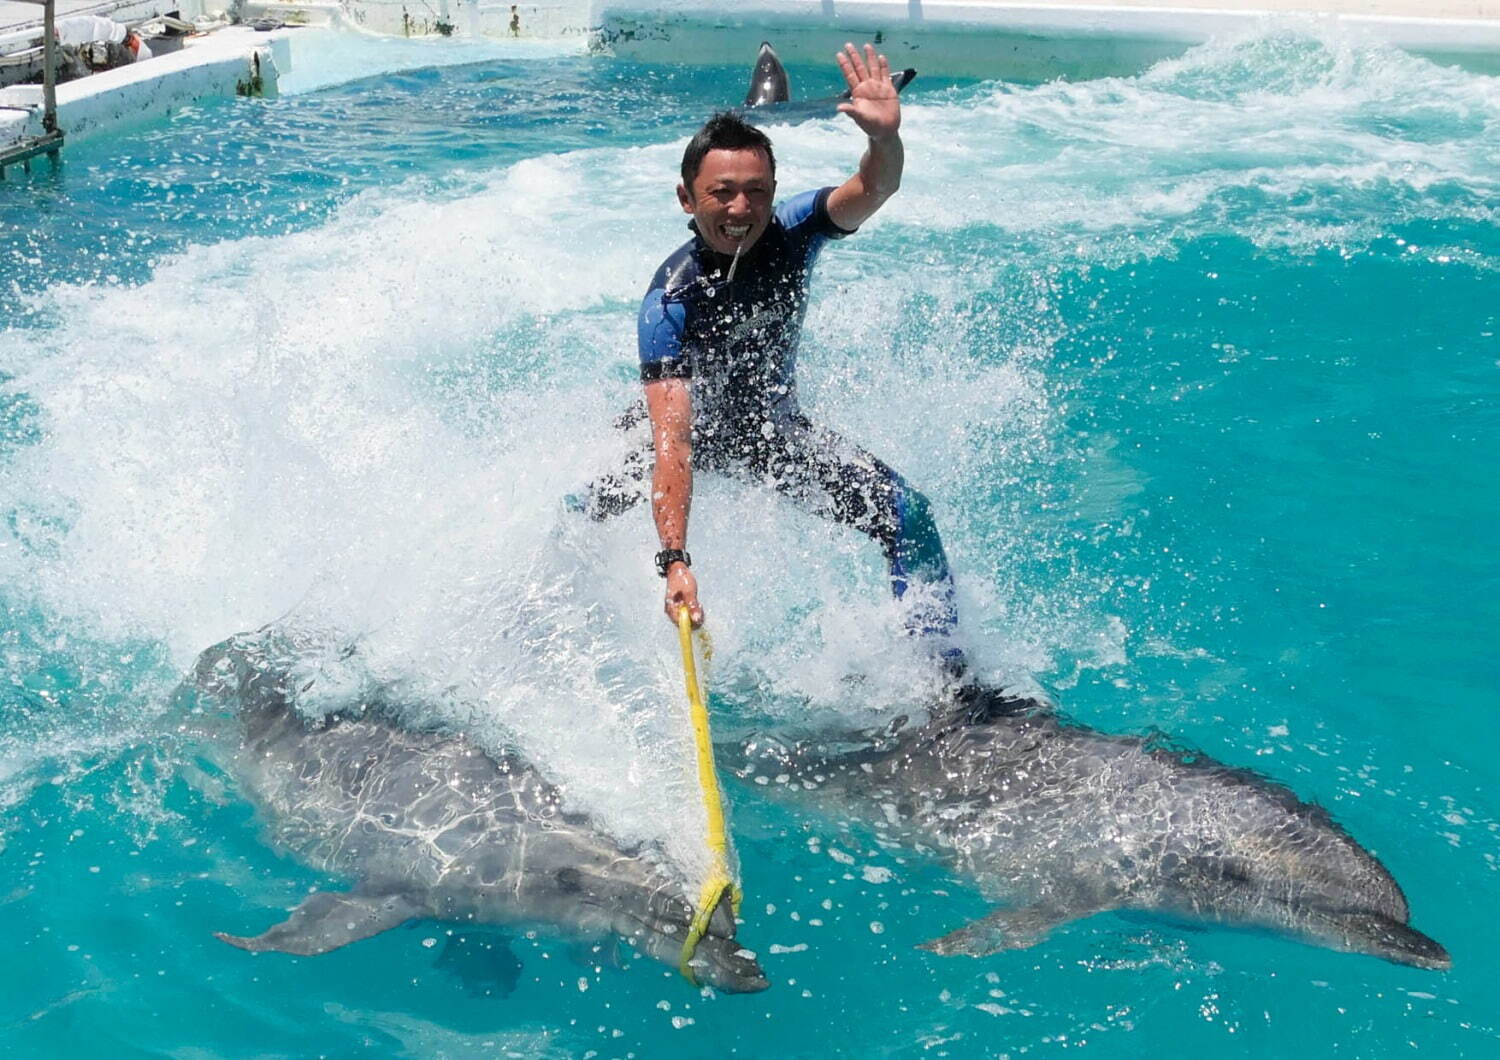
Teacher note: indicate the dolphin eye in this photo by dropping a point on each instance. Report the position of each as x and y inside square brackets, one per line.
[570, 880]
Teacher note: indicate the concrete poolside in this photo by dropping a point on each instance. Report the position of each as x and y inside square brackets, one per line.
[233, 61]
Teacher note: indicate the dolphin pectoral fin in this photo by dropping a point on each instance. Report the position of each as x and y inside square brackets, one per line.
[328, 920]
[1011, 928]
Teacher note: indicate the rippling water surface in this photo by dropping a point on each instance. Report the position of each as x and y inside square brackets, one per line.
[1199, 369]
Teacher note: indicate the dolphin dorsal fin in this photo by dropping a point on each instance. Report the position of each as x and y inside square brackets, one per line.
[900, 79]
[768, 83]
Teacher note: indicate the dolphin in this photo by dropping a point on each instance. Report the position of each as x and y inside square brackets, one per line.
[430, 825]
[1058, 821]
[770, 85]
[768, 81]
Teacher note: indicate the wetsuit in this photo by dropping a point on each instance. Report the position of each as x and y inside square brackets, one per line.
[737, 341]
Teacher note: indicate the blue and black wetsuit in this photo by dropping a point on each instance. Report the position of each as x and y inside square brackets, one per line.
[737, 341]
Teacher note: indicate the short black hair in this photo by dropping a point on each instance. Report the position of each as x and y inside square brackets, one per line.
[725, 131]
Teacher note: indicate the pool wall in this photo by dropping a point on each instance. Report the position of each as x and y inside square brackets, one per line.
[438, 18]
[479, 18]
[1028, 42]
[233, 61]
[1035, 41]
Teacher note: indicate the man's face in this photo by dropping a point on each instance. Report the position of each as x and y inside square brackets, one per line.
[731, 198]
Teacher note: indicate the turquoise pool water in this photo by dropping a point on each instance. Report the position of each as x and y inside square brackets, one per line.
[1199, 369]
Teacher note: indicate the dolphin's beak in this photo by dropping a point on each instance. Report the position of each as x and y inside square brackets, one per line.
[725, 965]
[718, 960]
[722, 962]
[1384, 937]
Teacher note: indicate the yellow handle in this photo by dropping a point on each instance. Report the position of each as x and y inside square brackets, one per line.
[718, 881]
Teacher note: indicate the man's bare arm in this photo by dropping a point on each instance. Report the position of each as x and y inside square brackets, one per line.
[876, 109]
[670, 404]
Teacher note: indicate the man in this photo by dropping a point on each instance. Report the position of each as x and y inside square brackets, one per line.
[718, 334]
[91, 43]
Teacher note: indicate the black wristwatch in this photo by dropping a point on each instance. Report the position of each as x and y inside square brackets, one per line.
[668, 556]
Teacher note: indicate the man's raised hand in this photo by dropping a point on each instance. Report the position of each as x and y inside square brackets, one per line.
[873, 103]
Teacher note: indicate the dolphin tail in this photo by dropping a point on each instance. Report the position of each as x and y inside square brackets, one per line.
[328, 920]
[768, 83]
[1011, 928]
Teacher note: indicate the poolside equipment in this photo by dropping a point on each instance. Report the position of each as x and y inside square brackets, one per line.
[718, 885]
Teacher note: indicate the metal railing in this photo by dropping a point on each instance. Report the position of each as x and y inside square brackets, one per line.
[50, 141]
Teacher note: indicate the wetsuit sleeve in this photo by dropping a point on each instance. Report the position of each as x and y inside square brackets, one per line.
[807, 215]
[659, 334]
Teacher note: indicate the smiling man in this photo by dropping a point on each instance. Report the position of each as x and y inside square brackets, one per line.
[718, 335]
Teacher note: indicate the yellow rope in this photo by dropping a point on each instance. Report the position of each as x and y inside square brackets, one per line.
[718, 882]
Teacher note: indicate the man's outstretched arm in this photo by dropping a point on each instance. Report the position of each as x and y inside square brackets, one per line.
[670, 403]
[876, 109]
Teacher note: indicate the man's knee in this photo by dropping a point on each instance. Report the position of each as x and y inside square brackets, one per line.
[617, 492]
[608, 497]
[917, 546]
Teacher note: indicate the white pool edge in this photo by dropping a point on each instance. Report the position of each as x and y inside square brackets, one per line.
[232, 61]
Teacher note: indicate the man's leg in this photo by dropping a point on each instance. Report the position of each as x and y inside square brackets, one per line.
[838, 480]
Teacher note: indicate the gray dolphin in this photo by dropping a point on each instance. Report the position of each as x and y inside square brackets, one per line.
[1059, 821]
[432, 826]
[769, 83]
